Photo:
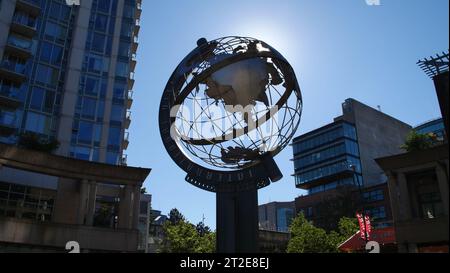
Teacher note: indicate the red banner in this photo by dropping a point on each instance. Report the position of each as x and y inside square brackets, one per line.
[364, 226]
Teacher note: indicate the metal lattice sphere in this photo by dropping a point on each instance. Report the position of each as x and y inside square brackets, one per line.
[231, 101]
[237, 99]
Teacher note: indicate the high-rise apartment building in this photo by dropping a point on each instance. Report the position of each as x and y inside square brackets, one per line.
[66, 74]
[66, 81]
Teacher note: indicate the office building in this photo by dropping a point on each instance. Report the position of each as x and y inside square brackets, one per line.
[333, 161]
[276, 216]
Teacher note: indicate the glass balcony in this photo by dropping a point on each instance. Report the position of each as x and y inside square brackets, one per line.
[31, 7]
[128, 119]
[13, 70]
[133, 62]
[137, 27]
[125, 141]
[8, 101]
[19, 46]
[129, 99]
[7, 123]
[23, 24]
[131, 81]
[138, 9]
[124, 159]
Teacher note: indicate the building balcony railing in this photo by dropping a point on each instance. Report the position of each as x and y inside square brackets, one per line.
[137, 27]
[23, 25]
[129, 99]
[134, 45]
[7, 123]
[138, 9]
[31, 7]
[19, 47]
[133, 62]
[131, 81]
[125, 141]
[124, 159]
[13, 71]
[7, 101]
[127, 119]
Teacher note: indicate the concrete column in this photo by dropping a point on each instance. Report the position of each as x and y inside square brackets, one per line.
[111, 80]
[442, 178]
[84, 190]
[91, 203]
[136, 206]
[393, 195]
[125, 208]
[73, 74]
[404, 201]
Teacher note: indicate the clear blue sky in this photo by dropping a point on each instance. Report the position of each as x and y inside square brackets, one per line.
[339, 49]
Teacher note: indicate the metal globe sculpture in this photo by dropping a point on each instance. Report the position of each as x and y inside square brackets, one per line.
[229, 107]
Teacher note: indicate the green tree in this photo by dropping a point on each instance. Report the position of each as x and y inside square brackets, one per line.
[180, 236]
[347, 227]
[306, 238]
[175, 216]
[417, 142]
[202, 229]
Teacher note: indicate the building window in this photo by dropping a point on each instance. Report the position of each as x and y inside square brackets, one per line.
[106, 209]
[425, 189]
[26, 202]
[101, 22]
[89, 107]
[376, 195]
[284, 219]
[37, 97]
[38, 123]
[85, 132]
[377, 213]
[98, 42]
[430, 204]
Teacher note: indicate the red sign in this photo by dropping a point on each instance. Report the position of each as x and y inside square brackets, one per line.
[364, 226]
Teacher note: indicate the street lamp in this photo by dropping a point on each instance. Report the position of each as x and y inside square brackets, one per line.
[353, 167]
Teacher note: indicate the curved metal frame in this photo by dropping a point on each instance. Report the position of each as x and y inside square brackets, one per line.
[178, 89]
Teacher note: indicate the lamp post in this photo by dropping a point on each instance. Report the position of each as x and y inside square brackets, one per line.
[353, 167]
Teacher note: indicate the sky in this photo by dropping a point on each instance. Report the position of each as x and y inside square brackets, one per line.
[338, 49]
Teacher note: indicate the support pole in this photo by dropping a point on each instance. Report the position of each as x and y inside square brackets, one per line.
[237, 221]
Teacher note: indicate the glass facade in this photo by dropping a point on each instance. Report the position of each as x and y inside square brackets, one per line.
[88, 122]
[26, 202]
[284, 219]
[37, 63]
[43, 67]
[327, 153]
[436, 127]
